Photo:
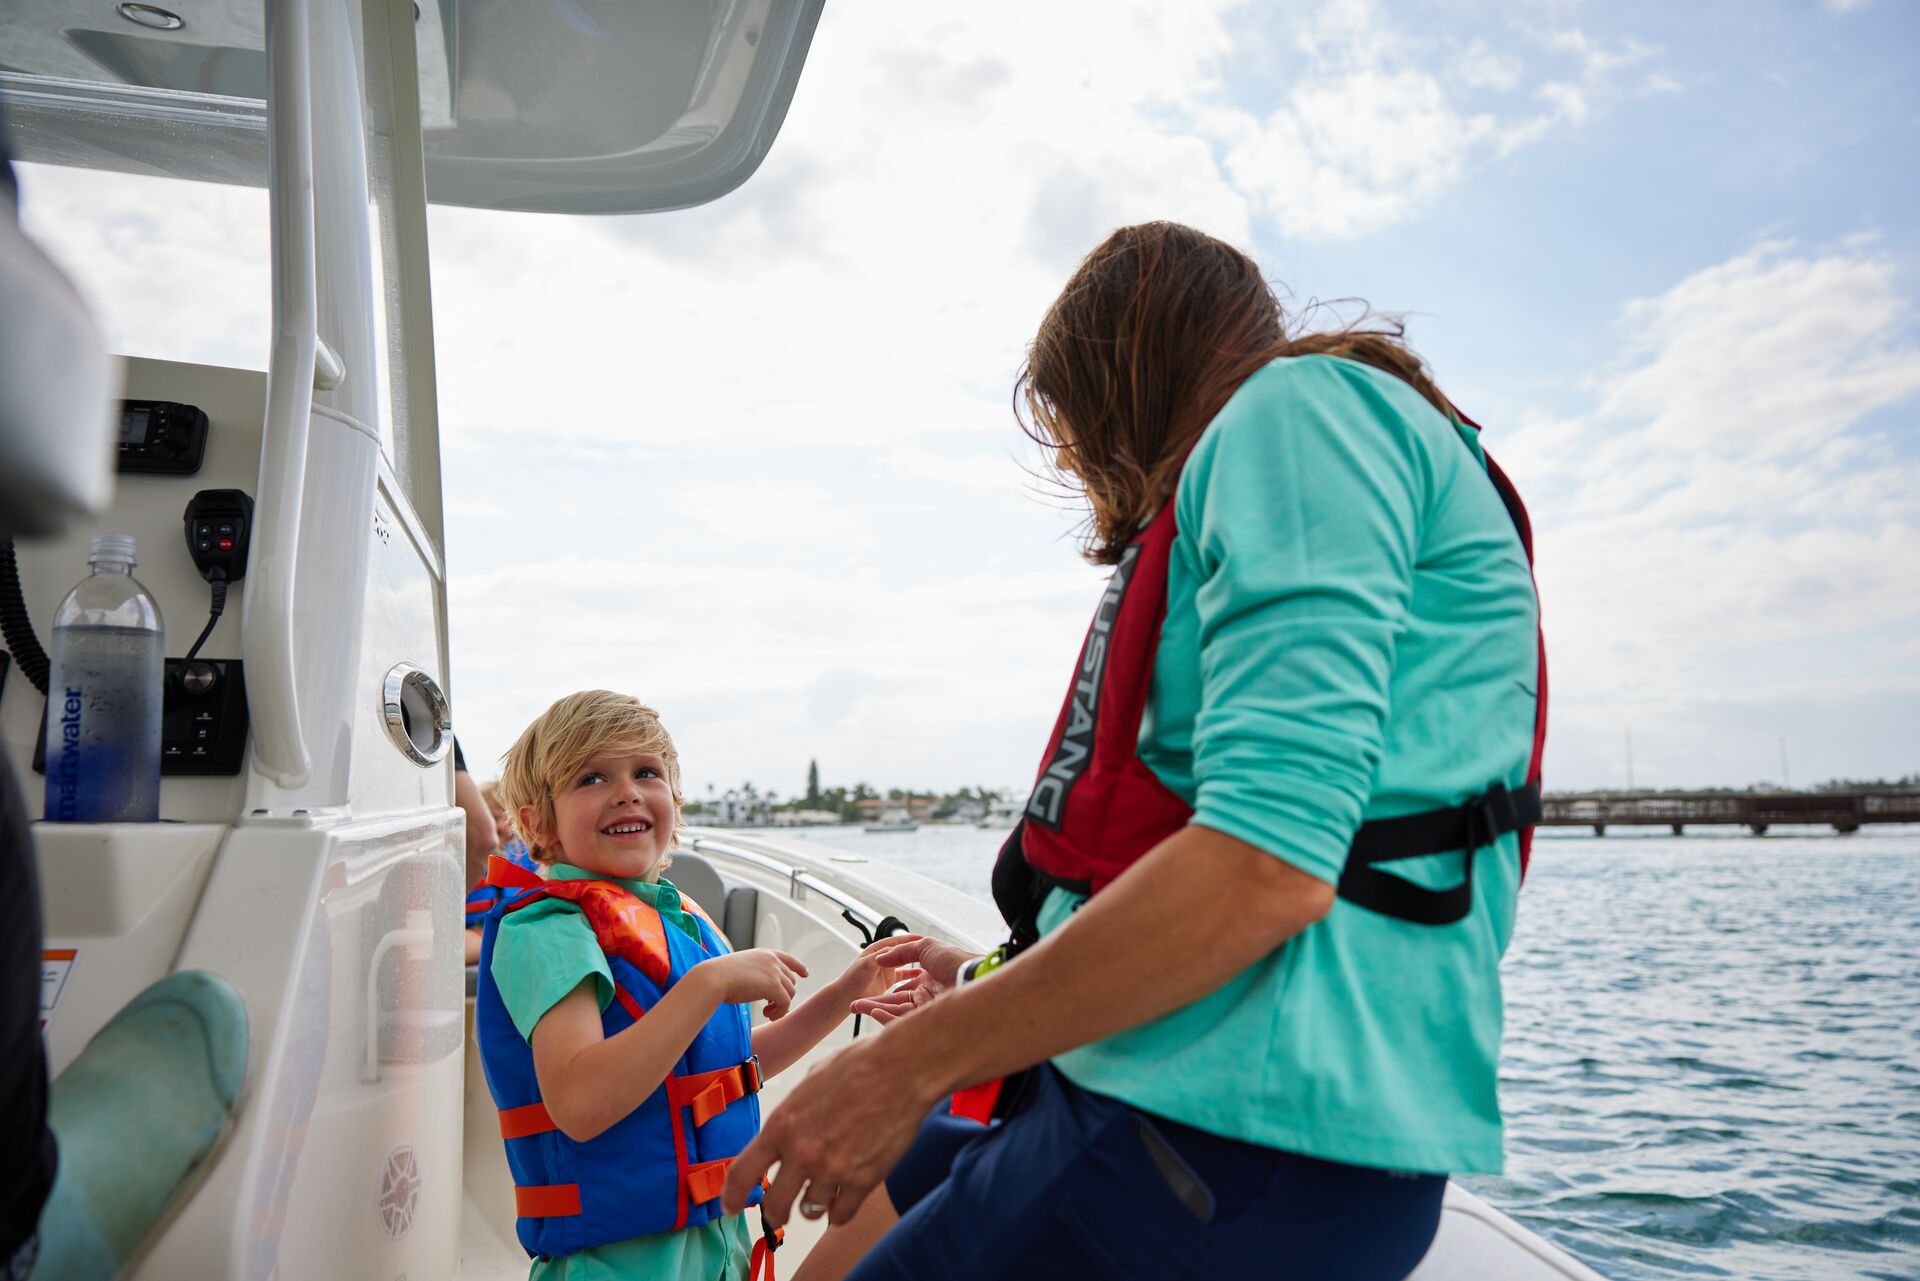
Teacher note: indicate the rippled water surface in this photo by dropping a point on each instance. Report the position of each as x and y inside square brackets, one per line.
[1712, 1062]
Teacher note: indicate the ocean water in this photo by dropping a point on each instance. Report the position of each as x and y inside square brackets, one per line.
[1712, 1059]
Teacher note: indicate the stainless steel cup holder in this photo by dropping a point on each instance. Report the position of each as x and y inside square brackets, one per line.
[419, 718]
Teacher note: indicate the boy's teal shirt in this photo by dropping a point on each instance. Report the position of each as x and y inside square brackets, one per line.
[541, 953]
[1350, 635]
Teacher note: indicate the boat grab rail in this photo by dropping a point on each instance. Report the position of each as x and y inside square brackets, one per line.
[800, 882]
[266, 621]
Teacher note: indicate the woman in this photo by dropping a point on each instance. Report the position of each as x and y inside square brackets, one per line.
[1265, 1040]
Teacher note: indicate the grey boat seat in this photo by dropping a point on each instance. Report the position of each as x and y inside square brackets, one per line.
[733, 910]
[696, 878]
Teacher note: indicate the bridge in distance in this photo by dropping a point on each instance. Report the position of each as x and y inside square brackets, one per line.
[1756, 811]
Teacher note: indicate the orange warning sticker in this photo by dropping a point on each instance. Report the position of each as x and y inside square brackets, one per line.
[55, 964]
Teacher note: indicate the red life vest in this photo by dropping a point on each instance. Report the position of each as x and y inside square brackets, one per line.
[1097, 808]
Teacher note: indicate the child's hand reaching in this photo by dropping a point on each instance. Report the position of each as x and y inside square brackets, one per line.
[757, 974]
[868, 977]
[939, 969]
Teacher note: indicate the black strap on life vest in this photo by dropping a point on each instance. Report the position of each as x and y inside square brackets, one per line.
[1480, 822]
[1019, 888]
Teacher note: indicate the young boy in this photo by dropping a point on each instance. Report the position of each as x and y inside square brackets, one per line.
[612, 1017]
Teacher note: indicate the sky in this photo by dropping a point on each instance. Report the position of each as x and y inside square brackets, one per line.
[756, 462]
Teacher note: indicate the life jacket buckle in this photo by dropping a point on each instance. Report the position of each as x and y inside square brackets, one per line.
[761, 1263]
[1491, 814]
[750, 1074]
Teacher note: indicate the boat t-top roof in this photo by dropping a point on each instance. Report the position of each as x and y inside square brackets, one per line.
[562, 106]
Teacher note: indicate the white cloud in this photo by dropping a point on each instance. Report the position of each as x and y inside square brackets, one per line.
[1479, 66]
[1738, 519]
[172, 269]
[1376, 125]
[919, 467]
[936, 178]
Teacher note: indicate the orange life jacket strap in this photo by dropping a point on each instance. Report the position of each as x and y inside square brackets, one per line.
[506, 874]
[705, 1180]
[711, 1093]
[551, 1201]
[760, 1262]
[518, 1123]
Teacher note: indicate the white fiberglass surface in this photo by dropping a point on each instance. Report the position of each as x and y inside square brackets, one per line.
[581, 106]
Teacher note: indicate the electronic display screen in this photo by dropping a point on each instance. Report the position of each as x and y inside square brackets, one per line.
[133, 426]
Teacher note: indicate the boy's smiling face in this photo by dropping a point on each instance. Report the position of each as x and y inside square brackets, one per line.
[614, 816]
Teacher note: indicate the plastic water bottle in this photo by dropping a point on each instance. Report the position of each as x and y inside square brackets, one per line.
[103, 697]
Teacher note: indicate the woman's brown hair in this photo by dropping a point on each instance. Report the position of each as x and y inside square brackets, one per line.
[1152, 335]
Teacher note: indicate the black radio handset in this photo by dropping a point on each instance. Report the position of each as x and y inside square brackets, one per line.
[219, 523]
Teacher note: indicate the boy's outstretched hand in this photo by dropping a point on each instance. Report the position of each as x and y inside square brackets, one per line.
[757, 974]
[781, 1047]
[877, 968]
[939, 971]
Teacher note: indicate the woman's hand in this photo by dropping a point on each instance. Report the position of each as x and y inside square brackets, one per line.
[757, 974]
[871, 972]
[836, 1134]
[939, 972]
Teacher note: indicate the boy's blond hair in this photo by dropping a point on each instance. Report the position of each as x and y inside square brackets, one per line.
[563, 739]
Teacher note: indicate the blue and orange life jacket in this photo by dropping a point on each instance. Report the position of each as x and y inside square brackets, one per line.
[484, 895]
[659, 1168]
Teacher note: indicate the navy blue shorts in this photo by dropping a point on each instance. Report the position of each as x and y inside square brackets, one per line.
[1076, 1184]
[930, 1159]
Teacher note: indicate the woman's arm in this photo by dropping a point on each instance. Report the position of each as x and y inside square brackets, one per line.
[1200, 908]
[480, 834]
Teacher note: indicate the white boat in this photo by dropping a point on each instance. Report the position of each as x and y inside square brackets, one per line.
[323, 879]
[1001, 814]
[892, 820]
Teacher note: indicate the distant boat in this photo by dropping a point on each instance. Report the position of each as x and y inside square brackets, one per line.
[1002, 814]
[894, 820]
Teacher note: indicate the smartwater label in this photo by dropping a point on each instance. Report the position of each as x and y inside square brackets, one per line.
[63, 764]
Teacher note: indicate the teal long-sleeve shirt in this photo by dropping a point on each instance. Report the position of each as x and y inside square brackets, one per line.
[1350, 635]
